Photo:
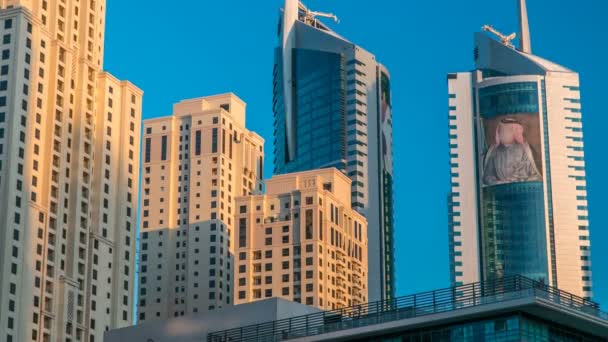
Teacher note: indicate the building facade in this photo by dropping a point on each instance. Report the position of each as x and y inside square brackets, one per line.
[195, 163]
[69, 169]
[332, 108]
[518, 203]
[302, 241]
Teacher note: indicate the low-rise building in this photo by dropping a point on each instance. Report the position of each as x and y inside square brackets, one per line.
[195, 327]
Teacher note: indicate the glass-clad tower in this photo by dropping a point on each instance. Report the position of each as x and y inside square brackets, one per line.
[332, 108]
[518, 203]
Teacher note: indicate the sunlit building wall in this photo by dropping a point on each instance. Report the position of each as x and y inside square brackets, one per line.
[195, 164]
[302, 241]
[69, 168]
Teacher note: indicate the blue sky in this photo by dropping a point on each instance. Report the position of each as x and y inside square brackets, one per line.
[203, 47]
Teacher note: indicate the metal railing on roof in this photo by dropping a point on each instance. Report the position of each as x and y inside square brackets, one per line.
[416, 305]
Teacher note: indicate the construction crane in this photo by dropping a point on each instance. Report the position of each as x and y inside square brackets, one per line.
[506, 40]
[310, 16]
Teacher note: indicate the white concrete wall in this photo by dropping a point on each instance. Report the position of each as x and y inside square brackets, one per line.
[463, 160]
[569, 203]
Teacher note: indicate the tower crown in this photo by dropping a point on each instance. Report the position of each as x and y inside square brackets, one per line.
[524, 28]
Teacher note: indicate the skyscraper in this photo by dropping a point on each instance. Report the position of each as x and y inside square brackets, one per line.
[518, 203]
[196, 162]
[332, 108]
[69, 167]
[302, 241]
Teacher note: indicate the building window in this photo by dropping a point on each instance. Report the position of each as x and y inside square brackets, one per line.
[164, 148]
[197, 143]
[242, 232]
[308, 224]
[214, 141]
[320, 225]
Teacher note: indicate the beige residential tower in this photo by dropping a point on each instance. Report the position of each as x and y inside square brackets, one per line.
[69, 168]
[302, 241]
[195, 163]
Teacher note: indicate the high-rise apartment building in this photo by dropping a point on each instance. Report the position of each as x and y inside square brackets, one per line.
[69, 168]
[301, 241]
[518, 203]
[332, 108]
[196, 162]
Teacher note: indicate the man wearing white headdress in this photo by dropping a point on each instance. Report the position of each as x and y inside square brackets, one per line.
[510, 159]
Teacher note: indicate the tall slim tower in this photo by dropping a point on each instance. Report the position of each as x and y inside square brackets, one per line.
[69, 168]
[332, 108]
[196, 162]
[518, 203]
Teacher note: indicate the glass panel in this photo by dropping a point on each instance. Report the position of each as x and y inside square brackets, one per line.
[319, 112]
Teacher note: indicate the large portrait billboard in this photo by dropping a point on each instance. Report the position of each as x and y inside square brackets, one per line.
[513, 146]
[511, 137]
[386, 122]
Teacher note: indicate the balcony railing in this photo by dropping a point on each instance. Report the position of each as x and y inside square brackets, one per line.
[427, 303]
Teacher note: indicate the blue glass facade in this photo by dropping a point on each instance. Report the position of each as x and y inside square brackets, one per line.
[509, 328]
[513, 231]
[319, 111]
[509, 98]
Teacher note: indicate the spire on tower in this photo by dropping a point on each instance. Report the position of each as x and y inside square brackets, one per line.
[524, 28]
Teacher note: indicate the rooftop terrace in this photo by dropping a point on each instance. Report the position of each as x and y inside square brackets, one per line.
[505, 291]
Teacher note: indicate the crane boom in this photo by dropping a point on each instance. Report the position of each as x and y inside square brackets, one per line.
[506, 40]
[312, 15]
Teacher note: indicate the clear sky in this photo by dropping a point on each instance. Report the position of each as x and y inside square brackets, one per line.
[185, 49]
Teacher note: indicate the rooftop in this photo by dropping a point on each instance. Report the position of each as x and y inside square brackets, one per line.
[195, 327]
[471, 301]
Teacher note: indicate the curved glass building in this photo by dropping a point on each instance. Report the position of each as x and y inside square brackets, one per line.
[332, 108]
[513, 212]
[518, 200]
[317, 126]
